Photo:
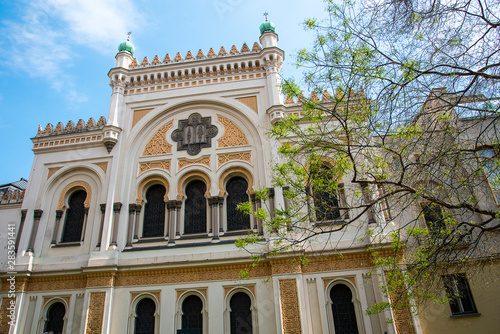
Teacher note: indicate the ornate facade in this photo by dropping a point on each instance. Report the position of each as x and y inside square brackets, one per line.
[128, 224]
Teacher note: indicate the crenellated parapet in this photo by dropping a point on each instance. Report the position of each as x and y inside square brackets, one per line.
[196, 69]
[64, 137]
[199, 56]
[70, 127]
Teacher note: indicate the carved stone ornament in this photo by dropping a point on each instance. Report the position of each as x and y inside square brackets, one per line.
[194, 134]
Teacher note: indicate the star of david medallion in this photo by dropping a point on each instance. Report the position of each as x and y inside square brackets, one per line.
[194, 133]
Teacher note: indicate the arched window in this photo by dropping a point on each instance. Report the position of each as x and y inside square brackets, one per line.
[192, 316]
[145, 317]
[241, 314]
[154, 212]
[55, 318]
[344, 315]
[75, 217]
[236, 193]
[195, 208]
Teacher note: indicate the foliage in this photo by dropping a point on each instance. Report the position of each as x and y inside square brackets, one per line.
[395, 158]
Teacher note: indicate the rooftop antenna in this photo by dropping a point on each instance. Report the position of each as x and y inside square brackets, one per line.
[128, 35]
[265, 15]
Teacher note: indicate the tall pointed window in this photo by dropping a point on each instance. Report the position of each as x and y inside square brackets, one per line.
[154, 212]
[55, 318]
[241, 314]
[237, 193]
[75, 217]
[192, 316]
[344, 315]
[195, 208]
[433, 216]
[145, 317]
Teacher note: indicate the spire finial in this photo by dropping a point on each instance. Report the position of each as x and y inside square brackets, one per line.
[265, 15]
[128, 35]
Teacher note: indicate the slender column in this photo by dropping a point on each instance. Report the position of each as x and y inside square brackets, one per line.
[221, 215]
[130, 231]
[260, 229]
[117, 206]
[21, 225]
[137, 217]
[214, 208]
[343, 200]
[59, 214]
[253, 198]
[172, 208]
[103, 211]
[85, 219]
[286, 203]
[37, 214]
[271, 202]
[211, 214]
[178, 206]
[367, 198]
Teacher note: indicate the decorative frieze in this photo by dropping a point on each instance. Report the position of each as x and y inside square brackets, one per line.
[250, 101]
[158, 143]
[233, 135]
[290, 312]
[244, 156]
[95, 313]
[161, 164]
[204, 160]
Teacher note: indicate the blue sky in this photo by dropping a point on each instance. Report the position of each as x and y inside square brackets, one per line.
[56, 53]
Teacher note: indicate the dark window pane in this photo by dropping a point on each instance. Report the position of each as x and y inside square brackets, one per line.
[154, 212]
[195, 209]
[459, 294]
[241, 314]
[145, 317]
[55, 318]
[344, 316]
[237, 193]
[75, 216]
[192, 317]
[433, 216]
[326, 204]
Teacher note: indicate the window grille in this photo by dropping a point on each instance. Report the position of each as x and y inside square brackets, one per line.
[75, 216]
[237, 193]
[55, 318]
[344, 315]
[195, 208]
[241, 314]
[154, 212]
[192, 317]
[145, 317]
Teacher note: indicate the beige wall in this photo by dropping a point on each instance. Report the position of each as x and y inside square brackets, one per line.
[485, 288]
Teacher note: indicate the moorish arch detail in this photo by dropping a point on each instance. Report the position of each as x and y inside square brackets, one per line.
[152, 179]
[235, 171]
[158, 143]
[198, 174]
[233, 135]
[81, 184]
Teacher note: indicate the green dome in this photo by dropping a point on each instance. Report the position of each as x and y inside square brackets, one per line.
[126, 47]
[267, 26]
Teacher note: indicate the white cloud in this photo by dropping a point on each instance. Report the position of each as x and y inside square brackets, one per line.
[48, 35]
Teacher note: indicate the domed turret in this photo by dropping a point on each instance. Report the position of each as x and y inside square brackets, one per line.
[267, 26]
[126, 47]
